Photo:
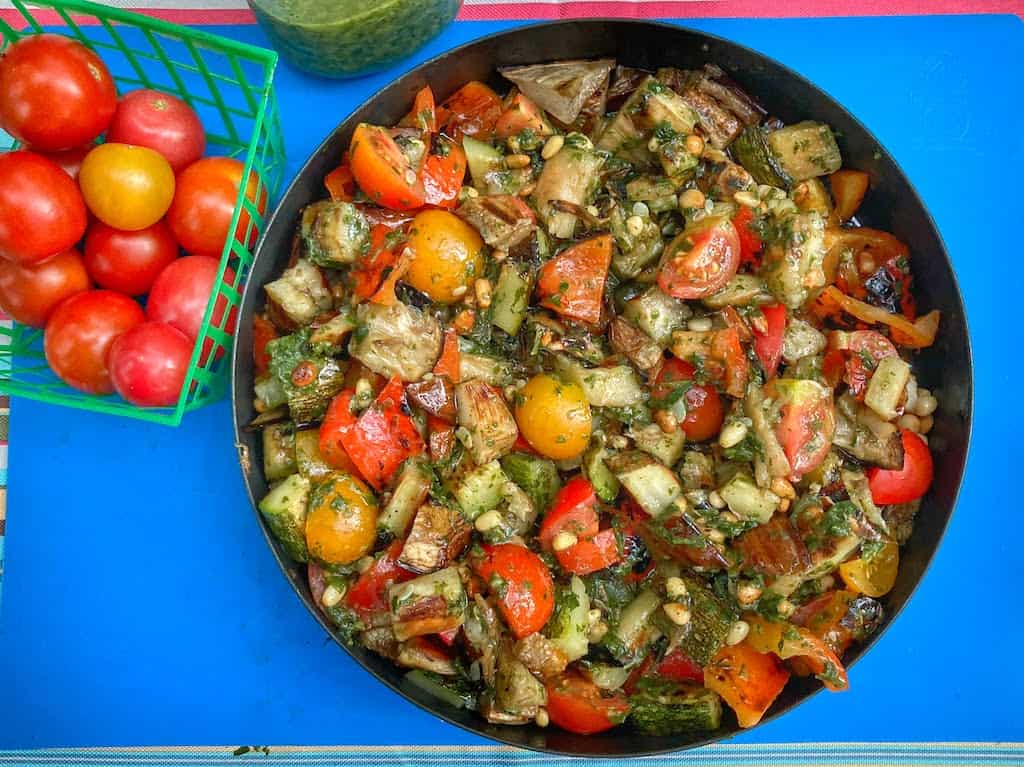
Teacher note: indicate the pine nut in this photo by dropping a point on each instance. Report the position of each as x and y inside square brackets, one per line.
[470, 191]
[551, 147]
[641, 209]
[459, 292]
[527, 190]
[910, 421]
[666, 420]
[499, 255]
[482, 287]
[516, 161]
[699, 324]
[692, 198]
[564, 540]
[695, 145]
[747, 199]
[653, 144]
[716, 500]
[747, 593]
[331, 596]
[782, 488]
[487, 521]
[715, 535]
[926, 404]
[597, 632]
[635, 225]
[677, 613]
[675, 587]
[732, 434]
[926, 424]
[737, 633]
[542, 719]
[785, 608]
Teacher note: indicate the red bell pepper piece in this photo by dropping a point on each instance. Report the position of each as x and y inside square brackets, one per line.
[679, 667]
[448, 363]
[768, 345]
[369, 594]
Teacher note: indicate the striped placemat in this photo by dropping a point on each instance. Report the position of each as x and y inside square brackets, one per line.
[727, 755]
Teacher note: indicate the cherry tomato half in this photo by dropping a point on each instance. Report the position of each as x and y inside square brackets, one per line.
[701, 405]
[128, 262]
[865, 349]
[910, 482]
[30, 293]
[701, 260]
[41, 210]
[578, 705]
[204, 202]
[369, 594]
[80, 332]
[161, 122]
[768, 344]
[807, 422]
[126, 187]
[472, 110]
[54, 92]
[148, 364]
[572, 283]
[522, 584]
[574, 510]
[382, 171]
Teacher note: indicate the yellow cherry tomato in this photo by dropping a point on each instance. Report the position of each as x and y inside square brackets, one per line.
[447, 255]
[341, 525]
[873, 577]
[126, 187]
[553, 416]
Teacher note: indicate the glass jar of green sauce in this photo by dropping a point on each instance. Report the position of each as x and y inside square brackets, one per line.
[347, 38]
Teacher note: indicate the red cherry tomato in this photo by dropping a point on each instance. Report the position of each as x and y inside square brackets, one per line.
[574, 510]
[443, 172]
[865, 349]
[589, 555]
[128, 262]
[181, 294]
[768, 345]
[70, 160]
[521, 114]
[750, 243]
[910, 482]
[54, 92]
[382, 171]
[204, 201]
[807, 424]
[369, 594]
[703, 405]
[700, 260]
[472, 110]
[80, 332]
[679, 667]
[161, 122]
[572, 283]
[41, 210]
[522, 584]
[29, 294]
[148, 364]
[578, 705]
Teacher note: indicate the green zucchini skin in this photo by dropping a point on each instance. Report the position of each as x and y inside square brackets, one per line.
[538, 477]
[710, 621]
[660, 708]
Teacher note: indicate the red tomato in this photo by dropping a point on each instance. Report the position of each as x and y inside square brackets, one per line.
[423, 114]
[472, 111]
[41, 210]
[574, 510]
[768, 345]
[181, 294]
[750, 243]
[204, 201]
[589, 555]
[679, 667]
[382, 171]
[521, 582]
[54, 92]
[369, 594]
[263, 332]
[703, 406]
[161, 122]
[340, 182]
[578, 705]
[727, 348]
[906, 484]
[701, 260]
[382, 437]
[29, 294]
[443, 171]
[807, 422]
[572, 283]
[80, 332]
[865, 349]
[70, 160]
[521, 114]
[148, 364]
[128, 262]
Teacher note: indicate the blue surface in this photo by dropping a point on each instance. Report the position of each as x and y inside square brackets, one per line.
[141, 605]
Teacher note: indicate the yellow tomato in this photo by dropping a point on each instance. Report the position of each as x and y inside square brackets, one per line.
[553, 416]
[342, 522]
[126, 187]
[447, 255]
[873, 577]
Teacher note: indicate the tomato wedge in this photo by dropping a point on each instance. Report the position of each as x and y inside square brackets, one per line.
[865, 349]
[807, 422]
[369, 272]
[789, 641]
[522, 584]
[443, 172]
[768, 344]
[520, 115]
[728, 349]
[679, 667]
[578, 705]
[748, 681]
[424, 112]
[382, 171]
[701, 260]
[573, 510]
[572, 283]
[472, 110]
[591, 554]
[750, 243]
[906, 484]
[369, 594]
[700, 408]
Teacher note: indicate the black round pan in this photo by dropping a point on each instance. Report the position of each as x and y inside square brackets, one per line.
[891, 205]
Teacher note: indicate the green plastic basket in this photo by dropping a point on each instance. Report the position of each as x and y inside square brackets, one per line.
[230, 84]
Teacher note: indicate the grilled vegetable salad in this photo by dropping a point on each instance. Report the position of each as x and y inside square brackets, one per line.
[591, 404]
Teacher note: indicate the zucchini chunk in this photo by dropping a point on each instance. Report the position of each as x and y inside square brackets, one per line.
[490, 370]
[634, 632]
[396, 340]
[429, 604]
[572, 175]
[538, 477]
[483, 161]
[747, 500]
[310, 462]
[339, 234]
[301, 293]
[439, 535]
[634, 252]
[653, 486]
[741, 290]
[516, 690]
[511, 299]
[479, 488]
[569, 625]
[284, 508]
[604, 387]
[598, 474]
[794, 266]
[484, 414]
[278, 451]
[409, 494]
[667, 448]
[710, 621]
[671, 708]
[657, 314]
[789, 155]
